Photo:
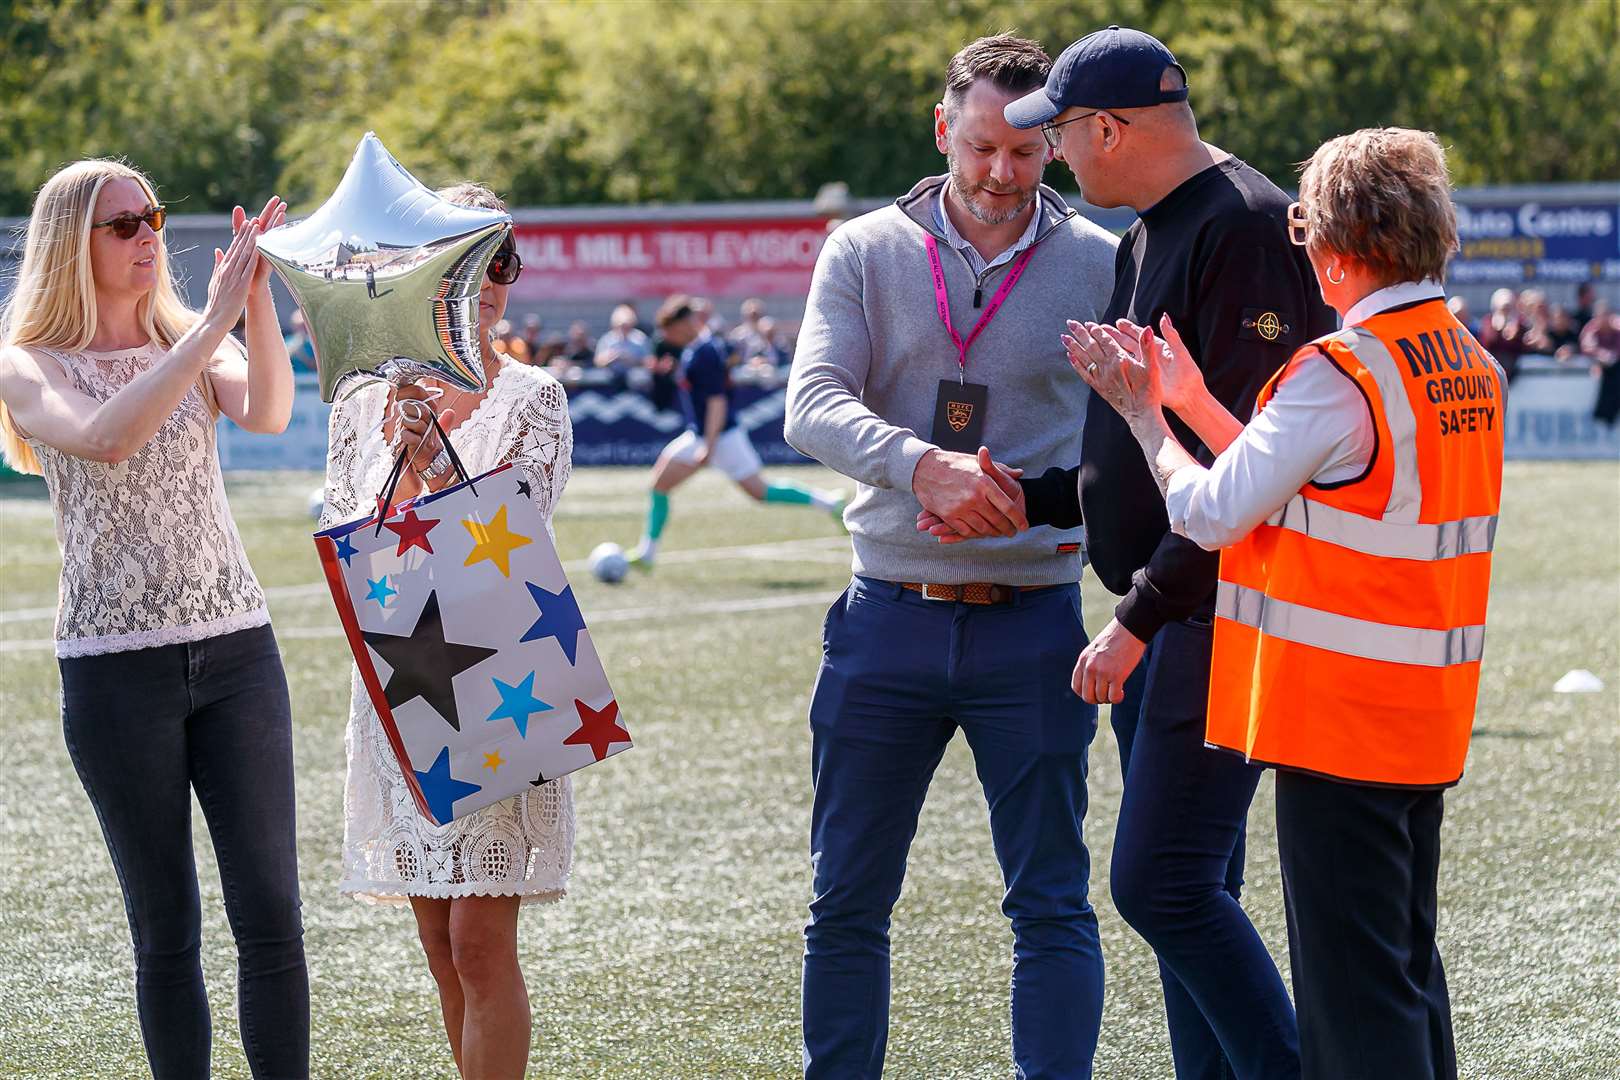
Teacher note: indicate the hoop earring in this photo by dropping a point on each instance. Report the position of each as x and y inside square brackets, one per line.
[1335, 280]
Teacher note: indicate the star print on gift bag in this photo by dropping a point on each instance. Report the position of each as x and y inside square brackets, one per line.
[412, 532]
[559, 618]
[494, 542]
[424, 663]
[598, 728]
[471, 645]
[441, 790]
[518, 703]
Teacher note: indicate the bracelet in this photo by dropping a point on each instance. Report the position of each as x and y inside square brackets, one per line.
[436, 467]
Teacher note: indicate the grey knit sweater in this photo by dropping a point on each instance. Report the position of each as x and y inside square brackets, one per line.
[871, 354]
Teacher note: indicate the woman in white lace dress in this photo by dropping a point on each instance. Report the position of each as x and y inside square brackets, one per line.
[466, 880]
[171, 679]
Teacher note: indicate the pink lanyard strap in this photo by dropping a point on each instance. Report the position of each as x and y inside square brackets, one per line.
[942, 302]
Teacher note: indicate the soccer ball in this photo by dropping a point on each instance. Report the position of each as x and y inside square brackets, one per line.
[608, 563]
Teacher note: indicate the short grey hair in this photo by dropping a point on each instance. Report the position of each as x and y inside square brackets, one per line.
[1382, 196]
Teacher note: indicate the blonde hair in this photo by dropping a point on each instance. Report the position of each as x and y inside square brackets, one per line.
[54, 303]
[1382, 197]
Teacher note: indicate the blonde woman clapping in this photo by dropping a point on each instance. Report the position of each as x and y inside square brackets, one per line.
[171, 679]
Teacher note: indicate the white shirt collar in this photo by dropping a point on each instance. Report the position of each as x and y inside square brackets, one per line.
[956, 240]
[1404, 292]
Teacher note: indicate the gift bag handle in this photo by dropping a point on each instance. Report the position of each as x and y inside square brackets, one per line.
[385, 500]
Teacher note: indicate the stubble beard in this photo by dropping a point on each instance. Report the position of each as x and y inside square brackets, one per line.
[986, 215]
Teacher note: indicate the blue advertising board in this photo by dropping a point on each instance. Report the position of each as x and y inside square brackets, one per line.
[622, 427]
[1537, 241]
[611, 427]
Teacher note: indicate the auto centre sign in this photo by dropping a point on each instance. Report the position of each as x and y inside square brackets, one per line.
[607, 260]
[1538, 240]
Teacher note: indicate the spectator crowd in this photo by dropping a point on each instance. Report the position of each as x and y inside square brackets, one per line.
[632, 355]
[1524, 324]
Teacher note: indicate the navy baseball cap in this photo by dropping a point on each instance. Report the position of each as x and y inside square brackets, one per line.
[1115, 68]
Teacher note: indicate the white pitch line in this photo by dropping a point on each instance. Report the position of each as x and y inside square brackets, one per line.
[774, 551]
[806, 598]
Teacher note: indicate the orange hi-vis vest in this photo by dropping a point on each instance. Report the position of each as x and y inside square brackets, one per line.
[1349, 625]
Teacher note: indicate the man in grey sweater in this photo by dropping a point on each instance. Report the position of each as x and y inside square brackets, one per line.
[932, 341]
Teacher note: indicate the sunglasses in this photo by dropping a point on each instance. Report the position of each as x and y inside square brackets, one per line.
[126, 225]
[1050, 130]
[505, 266]
[1296, 224]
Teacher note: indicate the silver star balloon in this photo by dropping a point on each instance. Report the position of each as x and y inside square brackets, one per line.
[388, 274]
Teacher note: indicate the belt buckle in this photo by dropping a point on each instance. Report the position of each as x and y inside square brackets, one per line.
[951, 592]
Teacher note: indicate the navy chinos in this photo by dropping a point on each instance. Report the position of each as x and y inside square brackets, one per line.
[900, 674]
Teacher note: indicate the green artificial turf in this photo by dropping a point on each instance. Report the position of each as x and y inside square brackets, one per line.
[676, 953]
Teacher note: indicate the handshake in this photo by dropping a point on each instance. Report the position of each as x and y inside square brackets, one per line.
[967, 496]
[1138, 372]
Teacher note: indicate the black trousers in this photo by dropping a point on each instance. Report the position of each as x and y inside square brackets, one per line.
[1360, 866]
[145, 729]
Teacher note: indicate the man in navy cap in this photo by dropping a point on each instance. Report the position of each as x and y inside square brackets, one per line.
[1210, 251]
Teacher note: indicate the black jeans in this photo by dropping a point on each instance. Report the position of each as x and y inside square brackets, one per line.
[145, 728]
[1360, 868]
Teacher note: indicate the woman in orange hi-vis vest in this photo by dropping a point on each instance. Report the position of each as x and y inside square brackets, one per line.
[1355, 514]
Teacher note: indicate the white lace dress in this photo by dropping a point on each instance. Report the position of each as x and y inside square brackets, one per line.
[150, 553]
[524, 845]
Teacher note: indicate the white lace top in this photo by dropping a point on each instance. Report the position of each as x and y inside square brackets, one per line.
[524, 845]
[150, 554]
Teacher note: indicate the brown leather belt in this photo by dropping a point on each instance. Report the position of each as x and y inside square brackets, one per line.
[974, 592]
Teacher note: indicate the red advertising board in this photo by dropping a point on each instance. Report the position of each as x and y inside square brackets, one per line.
[612, 260]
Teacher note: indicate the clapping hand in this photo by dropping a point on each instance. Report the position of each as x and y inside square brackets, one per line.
[233, 275]
[1098, 355]
[1181, 382]
[273, 214]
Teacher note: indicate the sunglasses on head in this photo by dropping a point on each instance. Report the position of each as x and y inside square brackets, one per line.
[505, 266]
[126, 225]
[1296, 224]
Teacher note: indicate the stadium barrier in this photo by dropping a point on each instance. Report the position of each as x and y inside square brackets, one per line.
[613, 425]
[1549, 413]
[1549, 416]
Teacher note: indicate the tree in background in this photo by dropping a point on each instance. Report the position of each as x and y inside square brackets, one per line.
[575, 102]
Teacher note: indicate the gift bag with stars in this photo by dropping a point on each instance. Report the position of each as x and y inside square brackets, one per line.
[470, 644]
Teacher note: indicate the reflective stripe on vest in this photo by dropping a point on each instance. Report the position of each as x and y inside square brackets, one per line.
[1343, 634]
[1426, 543]
[1349, 627]
[1406, 493]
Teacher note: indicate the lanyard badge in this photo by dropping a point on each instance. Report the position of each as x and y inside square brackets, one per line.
[959, 410]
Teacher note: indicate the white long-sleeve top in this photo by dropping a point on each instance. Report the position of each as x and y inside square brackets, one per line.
[1317, 427]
